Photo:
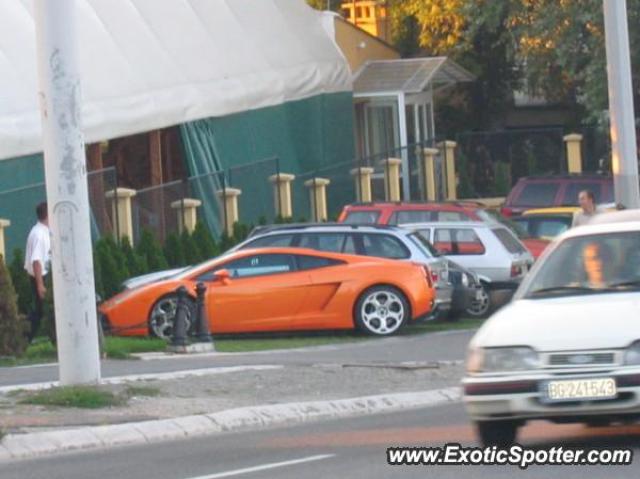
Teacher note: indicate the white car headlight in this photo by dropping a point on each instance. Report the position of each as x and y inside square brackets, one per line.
[632, 355]
[502, 359]
[465, 280]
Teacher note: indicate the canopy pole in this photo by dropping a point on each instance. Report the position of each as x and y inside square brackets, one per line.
[67, 192]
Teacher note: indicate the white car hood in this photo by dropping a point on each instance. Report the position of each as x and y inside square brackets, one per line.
[599, 321]
[149, 278]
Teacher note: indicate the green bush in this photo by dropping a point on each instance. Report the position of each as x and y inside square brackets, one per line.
[13, 327]
[204, 241]
[149, 248]
[502, 180]
[21, 282]
[190, 248]
[136, 264]
[173, 251]
[112, 266]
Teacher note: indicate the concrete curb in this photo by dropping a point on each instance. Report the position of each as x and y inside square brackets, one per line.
[24, 446]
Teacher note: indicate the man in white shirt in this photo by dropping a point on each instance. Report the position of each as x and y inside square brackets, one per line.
[588, 208]
[37, 261]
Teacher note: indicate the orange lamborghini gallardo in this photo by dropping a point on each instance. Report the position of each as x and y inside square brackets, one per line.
[281, 289]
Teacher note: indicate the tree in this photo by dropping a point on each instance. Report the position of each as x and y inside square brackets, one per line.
[205, 242]
[325, 4]
[13, 326]
[21, 282]
[173, 251]
[149, 248]
[135, 264]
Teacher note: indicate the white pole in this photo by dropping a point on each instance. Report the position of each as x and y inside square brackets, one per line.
[67, 192]
[624, 159]
[406, 168]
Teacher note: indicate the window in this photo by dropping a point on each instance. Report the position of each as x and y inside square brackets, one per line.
[411, 216]
[421, 240]
[574, 188]
[273, 241]
[332, 242]
[537, 194]
[509, 241]
[552, 227]
[306, 262]
[458, 241]
[368, 217]
[384, 246]
[259, 265]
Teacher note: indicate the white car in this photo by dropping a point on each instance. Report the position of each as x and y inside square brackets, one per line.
[567, 348]
[490, 250]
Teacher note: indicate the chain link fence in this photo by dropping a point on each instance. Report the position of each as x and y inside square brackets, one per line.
[18, 206]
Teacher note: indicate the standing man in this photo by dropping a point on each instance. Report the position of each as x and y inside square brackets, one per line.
[588, 208]
[36, 263]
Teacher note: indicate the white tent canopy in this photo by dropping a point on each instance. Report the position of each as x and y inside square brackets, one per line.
[149, 64]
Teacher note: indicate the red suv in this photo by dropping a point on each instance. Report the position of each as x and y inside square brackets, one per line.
[548, 191]
[408, 213]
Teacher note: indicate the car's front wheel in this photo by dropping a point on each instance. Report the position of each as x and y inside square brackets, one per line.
[481, 305]
[381, 311]
[497, 433]
[163, 313]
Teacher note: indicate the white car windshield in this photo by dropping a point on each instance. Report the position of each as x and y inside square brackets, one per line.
[607, 262]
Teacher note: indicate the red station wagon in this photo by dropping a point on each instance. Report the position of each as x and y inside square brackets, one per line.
[550, 191]
[409, 213]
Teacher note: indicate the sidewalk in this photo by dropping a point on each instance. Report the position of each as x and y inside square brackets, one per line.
[220, 399]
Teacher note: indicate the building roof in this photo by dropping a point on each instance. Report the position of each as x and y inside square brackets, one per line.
[408, 75]
[149, 64]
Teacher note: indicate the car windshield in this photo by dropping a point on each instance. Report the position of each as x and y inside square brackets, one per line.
[423, 244]
[363, 217]
[589, 264]
[490, 216]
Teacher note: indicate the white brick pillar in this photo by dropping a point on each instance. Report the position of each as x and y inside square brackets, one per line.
[186, 209]
[121, 213]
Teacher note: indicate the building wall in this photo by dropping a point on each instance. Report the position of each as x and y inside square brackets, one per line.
[369, 15]
[358, 46]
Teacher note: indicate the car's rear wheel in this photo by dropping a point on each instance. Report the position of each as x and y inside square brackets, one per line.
[497, 433]
[162, 316]
[481, 305]
[381, 311]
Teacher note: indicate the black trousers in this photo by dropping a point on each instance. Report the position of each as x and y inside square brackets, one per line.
[35, 318]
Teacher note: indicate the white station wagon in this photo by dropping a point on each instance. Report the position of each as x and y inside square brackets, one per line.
[567, 348]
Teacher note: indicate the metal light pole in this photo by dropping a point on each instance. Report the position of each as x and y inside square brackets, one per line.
[623, 133]
[67, 192]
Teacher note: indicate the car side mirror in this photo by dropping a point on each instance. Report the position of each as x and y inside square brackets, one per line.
[223, 276]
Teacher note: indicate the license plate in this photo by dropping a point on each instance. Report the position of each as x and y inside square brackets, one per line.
[580, 389]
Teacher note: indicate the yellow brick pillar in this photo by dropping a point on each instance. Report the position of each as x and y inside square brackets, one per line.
[4, 224]
[282, 194]
[574, 152]
[429, 172]
[392, 178]
[449, 150]
[121, 215]
[362, 177]
[318, 198]
[186, 209]
[229, 198]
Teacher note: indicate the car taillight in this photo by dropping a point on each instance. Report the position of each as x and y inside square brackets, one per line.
[507, 212]
[516, 270]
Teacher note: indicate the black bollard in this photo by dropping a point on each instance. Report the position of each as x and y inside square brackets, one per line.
[180, 324]
[203, 335]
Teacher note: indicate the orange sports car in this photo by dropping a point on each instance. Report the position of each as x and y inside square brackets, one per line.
[281, 289]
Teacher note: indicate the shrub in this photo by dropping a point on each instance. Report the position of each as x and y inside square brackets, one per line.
[21, 282]
[135, 264]
[204, 241]
[149, 248]
[173, 251]
[112, 266]
[13, 327]
[190, 249]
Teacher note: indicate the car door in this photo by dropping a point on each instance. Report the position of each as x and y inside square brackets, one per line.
[324, 306]
[264, 293]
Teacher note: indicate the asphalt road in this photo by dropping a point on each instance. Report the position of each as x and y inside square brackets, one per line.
[353, 448]
[428, 347]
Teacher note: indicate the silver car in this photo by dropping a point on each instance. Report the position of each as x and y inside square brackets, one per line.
[381, 241]
[491, 251]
